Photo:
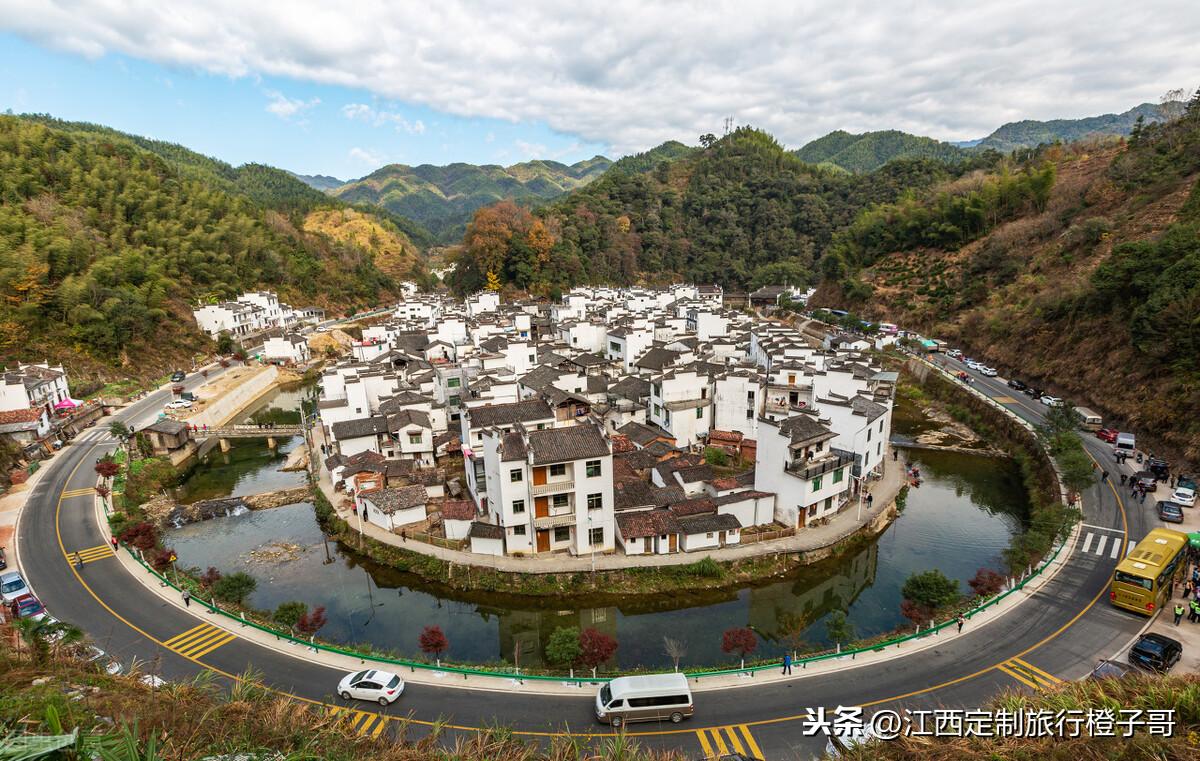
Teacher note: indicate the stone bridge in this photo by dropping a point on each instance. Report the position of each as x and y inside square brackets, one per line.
[220, 508]
[248, 431]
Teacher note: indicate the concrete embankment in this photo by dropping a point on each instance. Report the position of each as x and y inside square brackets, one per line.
[229, 396]
[227, 506]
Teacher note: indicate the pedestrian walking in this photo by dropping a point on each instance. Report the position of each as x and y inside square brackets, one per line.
[961, 621]
[1172, 482]
[403, 535]
[187, 599]
[1104, 475]
[1187, 589]
[1142, 499]
[78, 561]
[114, 543]
[1178, 613]
[870, 500]
[1124, 478]
[787, 664]
[1194, 616]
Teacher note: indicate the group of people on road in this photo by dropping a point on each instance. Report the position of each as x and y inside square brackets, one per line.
[1191, 597]
[198, 429]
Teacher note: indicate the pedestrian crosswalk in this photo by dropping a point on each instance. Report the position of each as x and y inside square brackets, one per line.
[199, 640]
[720, 741]
[94, 435]
[1102, 545]
[363, 723]
[92, 554]
[1029, 675]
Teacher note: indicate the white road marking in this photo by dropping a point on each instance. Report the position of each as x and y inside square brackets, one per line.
[1116, 550]
[1087, 541]
[1100, 545]
[1102, 528]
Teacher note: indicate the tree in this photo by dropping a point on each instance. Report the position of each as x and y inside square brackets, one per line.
[117, 430]
[595, 648]
[986, 582]
[107, 467]
[740, 641]
[289, 614]
[103, 492]
[931, 588]
[676, 650]
[143, 536]
[562, 649]
[493, 281]
[433, 641]
[225, 344]
[210, 577]
[1077, 469]
[311, 622]
[44, 634]
[839, 628]
[235, 587]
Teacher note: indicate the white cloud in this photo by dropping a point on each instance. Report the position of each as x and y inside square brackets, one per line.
[631, 73]
[368, 157]
[285, 107]
[363, 112]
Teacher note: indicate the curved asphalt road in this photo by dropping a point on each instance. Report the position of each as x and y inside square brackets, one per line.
[1061, 630]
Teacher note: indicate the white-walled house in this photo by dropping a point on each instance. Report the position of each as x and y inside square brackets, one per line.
[737, 401]
[797, 463]
[533, 414]
[551, 490]
[680, 405]
[286, 347]
[393, 508]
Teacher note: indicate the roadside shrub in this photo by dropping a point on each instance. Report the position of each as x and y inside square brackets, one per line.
[595, 648]
[211, 577]
[433, 641]
[986, 582]
[288, 613]
[562, 649]
[160, 559]
[311, 622]
[235, 587]
[705, 568]
[143, 536]
[740, 641]
[931, 589]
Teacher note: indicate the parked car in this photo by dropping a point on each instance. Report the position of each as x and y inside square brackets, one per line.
[1146, 479]
[1051, 401]
[12, 586]
[1016, 384]
[1036, 393]
[383, 687]
[973, 364]
[954, 354]
[1170, 512]
[1159, 467]
[178, 376]
[988, 371]
[1155, 652]
[1107, 669]
[188, 396]
[1184, 496]
[27, 606]
[179, 404]
[322, 328]
[1107, 434]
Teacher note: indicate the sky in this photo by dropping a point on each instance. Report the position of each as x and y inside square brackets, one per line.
[341, 89]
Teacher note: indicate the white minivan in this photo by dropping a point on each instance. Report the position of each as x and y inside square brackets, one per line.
[1126, 444]
[655, 697]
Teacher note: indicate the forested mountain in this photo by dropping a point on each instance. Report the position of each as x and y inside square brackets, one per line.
[106, 240]
[320, 182]
[1078, 270]
[741, 211]
[1030, 134]
[644, 162]
[443, 198]
[871, 150]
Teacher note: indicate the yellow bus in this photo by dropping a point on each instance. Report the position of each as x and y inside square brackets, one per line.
[1142, 581]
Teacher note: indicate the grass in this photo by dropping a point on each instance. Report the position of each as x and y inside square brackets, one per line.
[118, 717]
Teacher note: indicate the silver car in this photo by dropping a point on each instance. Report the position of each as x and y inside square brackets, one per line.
[12, 586]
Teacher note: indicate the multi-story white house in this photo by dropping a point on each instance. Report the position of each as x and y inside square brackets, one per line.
[533, 414]
[737, 401]
[36, 386]
[680, 405]
[797, 462]
[551, 490]
[233, 317]
[286, 347]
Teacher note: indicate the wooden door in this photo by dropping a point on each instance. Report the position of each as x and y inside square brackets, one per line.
[543, 540]
[539, 476]
[674, 542]
[541, 506]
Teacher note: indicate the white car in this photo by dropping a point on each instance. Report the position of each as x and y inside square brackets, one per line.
[1051, 401]
[322, 329]
[1184, 496]
[382, 687]
[12, 586]
[179, 404]
[954, 354]
[988, 371]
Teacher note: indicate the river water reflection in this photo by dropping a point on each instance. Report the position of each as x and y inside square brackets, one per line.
[960, 519]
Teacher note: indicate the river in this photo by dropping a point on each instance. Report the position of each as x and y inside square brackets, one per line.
[960, 519]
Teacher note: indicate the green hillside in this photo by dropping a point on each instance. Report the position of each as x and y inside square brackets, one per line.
[1029, 133]
[644, 162]
[322, 182]
[741, 212]
[442, 198]
[871, 150]
[1077, 270]
[106, 240]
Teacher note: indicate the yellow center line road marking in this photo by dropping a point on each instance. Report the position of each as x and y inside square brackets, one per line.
[533, 733]
[1045, 676]
[1019, 677]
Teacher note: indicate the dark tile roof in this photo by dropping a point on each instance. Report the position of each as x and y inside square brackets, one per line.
[458, 510]
[390, 500]
[485, 531]
[630, 387]
[629, 494]
[540, 377]
[635, 524]
[656, 359]
[167, 426]
[804, 428]
[707, 523]
[638, 433]
[508, 414]
[638, 459]
[694, 506]
[574, 442]
[512, 447]
[740, 496]
[353, 429]
[405, 418]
